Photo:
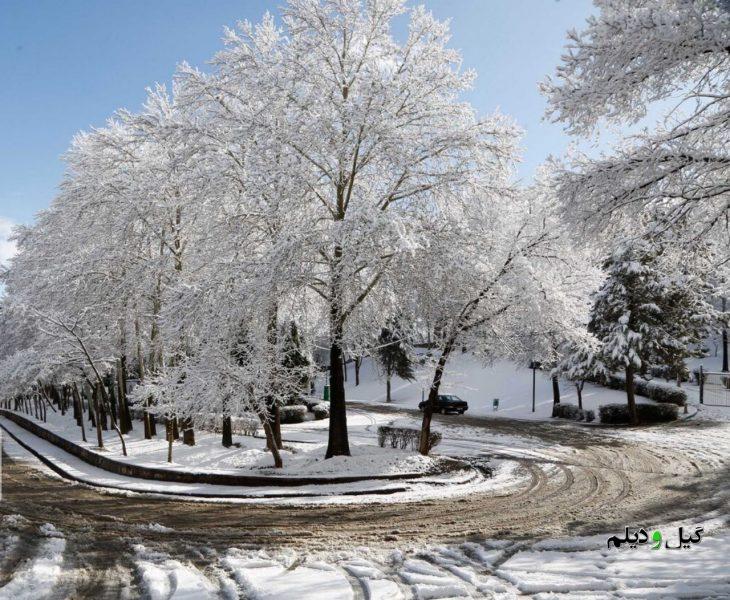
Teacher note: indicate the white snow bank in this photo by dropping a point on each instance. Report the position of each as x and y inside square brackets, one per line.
[37, 578]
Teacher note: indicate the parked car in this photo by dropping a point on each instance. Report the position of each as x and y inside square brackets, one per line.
[447, 403]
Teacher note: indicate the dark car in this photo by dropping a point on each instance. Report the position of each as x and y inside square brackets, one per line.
[447, 403]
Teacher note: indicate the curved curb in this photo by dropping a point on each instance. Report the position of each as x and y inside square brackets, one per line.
[175, 476]
[66, 475]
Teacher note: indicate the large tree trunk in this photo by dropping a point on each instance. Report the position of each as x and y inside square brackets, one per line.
[387, 389]
[338, 443]
[579, 390]
[428, 410]
[724, 340]
[633, 416]
[556, 390]
[358, 362]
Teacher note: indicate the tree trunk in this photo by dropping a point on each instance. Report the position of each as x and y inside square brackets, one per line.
[358, 362]
[175, 429]
[579, 389]
[556, 390]
[80, 402]
[170, 437]
[428, 410]
[724, 340]
[270, 442]
[338, 443]
[99, 438]
[126, 421]
[633, 416]
[227, 439]
[387, 389]
[276, 427]
[344, 367]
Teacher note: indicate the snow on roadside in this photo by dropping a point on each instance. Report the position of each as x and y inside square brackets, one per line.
[36, 578]
[164, 578]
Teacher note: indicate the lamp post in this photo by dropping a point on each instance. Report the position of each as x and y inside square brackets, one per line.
[534, 365]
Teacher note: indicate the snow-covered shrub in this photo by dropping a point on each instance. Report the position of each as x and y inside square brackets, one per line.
[293, 414]
[321, 411]
[568, 411]
[654, 390]
[590, 416]
[405, 437]
[648, 413]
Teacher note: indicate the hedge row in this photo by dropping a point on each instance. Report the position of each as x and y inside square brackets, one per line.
[572, 412]
[654, 390]
[404, 437]
[647, 413]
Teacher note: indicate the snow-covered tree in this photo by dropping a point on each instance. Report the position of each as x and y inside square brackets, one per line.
[632, 59]
[378, 130]
[648, 311]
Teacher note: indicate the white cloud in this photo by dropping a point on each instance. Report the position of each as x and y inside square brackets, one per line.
[7, 248]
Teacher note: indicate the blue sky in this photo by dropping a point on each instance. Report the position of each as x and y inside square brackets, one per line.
[67, 65]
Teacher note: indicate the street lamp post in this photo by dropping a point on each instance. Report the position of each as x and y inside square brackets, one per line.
[534, 365]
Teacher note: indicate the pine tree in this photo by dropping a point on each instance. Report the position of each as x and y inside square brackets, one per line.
[294, 359]
[393, 357]
[648, 311]
[626, 317]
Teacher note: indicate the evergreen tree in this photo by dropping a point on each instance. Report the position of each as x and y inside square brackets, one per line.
[294, 359]
[649, 312]
[626, 317]
[393, 357]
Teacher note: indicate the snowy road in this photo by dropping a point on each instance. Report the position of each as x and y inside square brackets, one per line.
[573, 482]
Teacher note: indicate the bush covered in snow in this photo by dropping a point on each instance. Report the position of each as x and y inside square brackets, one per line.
[293, 414]
[321, 411]
[568, 411]
[405, 437]
[648, 413]
[572, 412]
[654, 390]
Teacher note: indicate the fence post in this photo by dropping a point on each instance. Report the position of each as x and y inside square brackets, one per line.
[702, 386]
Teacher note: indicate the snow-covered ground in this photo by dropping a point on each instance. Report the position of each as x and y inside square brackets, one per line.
[427, 487]
[479, 384]
[37, 577]
[577, 568]
[247, 457]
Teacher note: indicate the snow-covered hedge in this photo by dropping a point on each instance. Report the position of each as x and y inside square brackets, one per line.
[321, 411]
[572, 412]
[654, 390]
[648, 413]
[404, 437]
[293, 414]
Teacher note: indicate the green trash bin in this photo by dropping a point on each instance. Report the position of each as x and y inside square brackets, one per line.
[326, 393]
